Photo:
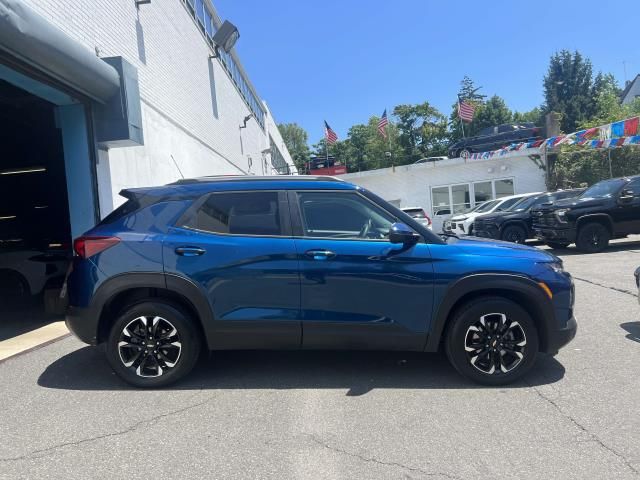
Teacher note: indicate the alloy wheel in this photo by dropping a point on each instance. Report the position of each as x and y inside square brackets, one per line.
[495, 344]
[149, 346]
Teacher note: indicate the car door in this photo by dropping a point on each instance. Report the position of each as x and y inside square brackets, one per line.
[626, 212]
[237, 248]
[358, 290]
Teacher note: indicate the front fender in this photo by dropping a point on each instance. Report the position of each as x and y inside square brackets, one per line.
[492, 283]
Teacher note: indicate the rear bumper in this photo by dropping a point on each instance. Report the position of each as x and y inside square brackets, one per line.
[560, 338]
[83, 324]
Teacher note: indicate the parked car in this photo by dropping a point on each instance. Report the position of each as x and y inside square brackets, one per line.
[439, 220]
[418, 214]
[463, 224]
[492, 138]
[304, 263]
[515, 224]
[636, 274]
[609, 209]
[27, 271]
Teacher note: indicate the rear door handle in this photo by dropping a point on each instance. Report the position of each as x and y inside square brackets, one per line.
[190, 251]
[320, 254]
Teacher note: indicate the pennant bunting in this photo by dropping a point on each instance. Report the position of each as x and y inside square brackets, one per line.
[631, 126]
[617, 130]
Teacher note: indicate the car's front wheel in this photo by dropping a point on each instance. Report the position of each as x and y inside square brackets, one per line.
[153, 344]
[492, 341]
[592, 238]
[514, 233]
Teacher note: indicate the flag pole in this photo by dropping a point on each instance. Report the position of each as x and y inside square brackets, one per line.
[386, 110]
[461, 122]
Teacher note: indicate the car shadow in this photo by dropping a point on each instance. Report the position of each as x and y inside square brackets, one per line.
[632, 329]
[357, 372]
[618, 246]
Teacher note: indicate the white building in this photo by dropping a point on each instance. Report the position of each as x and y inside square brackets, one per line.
[451, 186]
[114, 94]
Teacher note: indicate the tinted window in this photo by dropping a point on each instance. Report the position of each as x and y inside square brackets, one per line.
[414, 212]
[342, 215]
[239, 213]
[505, 128]
[486, 131]
[509, 203]
[605, 188]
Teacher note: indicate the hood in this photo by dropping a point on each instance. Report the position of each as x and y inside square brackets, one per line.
[498, 248]
[580, 202]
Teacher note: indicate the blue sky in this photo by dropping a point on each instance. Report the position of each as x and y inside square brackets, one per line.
[344, 61]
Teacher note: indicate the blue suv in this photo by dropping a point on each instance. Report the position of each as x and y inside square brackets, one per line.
[305, 263]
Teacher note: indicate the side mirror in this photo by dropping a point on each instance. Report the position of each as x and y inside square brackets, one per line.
[401, 233]
[626, 195]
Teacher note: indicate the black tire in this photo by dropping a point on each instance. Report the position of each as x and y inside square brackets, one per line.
[149, 372]
[557, 245]
[514, 234]
[592, 238]
[518, 327]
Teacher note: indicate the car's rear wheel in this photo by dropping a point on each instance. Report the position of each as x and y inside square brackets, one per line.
[465, 153]
[492, 341]
[514, 233]
[153, 344]
[592, 238]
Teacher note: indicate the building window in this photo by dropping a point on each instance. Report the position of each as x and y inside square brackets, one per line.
[204, 18]
[278, 162]
[452, 199]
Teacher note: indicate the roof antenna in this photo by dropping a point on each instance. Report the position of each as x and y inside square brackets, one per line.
[176, 164]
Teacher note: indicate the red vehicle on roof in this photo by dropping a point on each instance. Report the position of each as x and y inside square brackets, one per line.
[326, 165]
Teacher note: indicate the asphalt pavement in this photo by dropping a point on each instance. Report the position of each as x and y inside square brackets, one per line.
[329, 415]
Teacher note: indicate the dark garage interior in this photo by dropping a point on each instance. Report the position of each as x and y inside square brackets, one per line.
[35, 238]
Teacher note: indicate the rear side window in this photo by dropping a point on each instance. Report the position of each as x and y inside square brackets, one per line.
[123, 210]
[238, 213]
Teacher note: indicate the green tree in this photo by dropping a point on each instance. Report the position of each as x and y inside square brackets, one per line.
[295, 138]
[422, 131]
[534, 115]
[570, 88]
[493, 112]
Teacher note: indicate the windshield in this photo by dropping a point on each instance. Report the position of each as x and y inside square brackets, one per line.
[485, 207]
[606, 188]
[523, 204]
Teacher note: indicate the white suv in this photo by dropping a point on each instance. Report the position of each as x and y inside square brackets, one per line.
[463, 224]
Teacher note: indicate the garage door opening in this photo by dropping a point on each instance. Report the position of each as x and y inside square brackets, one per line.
[35, 226]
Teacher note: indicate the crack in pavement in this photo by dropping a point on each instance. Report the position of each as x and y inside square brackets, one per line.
[615, 289]
[44, 452]
[592, 436]
[326, 445]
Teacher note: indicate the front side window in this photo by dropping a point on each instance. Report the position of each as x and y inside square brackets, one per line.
[342, 215]
[239, 213]
[604, 189]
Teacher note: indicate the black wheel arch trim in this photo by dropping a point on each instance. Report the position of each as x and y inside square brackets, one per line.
[544, 316]
[177, 284]
[583, 219]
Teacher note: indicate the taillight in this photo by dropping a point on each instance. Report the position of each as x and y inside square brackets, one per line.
[86, 247]
[428, 219]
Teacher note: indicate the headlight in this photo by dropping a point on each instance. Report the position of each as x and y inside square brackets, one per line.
[561, 215]
[556, 266]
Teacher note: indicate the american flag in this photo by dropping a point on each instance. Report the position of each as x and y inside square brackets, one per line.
[383, 123]
[466, 111]
[329, 134]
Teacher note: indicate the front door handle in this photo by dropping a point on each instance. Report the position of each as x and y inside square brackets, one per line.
[320, 254]
[190, 251]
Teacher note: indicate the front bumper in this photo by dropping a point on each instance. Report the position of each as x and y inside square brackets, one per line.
[561, 337]
[487, 231]
[564, 235]
[83, 324]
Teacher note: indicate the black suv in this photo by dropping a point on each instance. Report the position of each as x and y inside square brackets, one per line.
[608, 209]
[492, 138]
[516, 223]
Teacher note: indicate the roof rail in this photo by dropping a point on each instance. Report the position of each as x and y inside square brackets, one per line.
[255, 178]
